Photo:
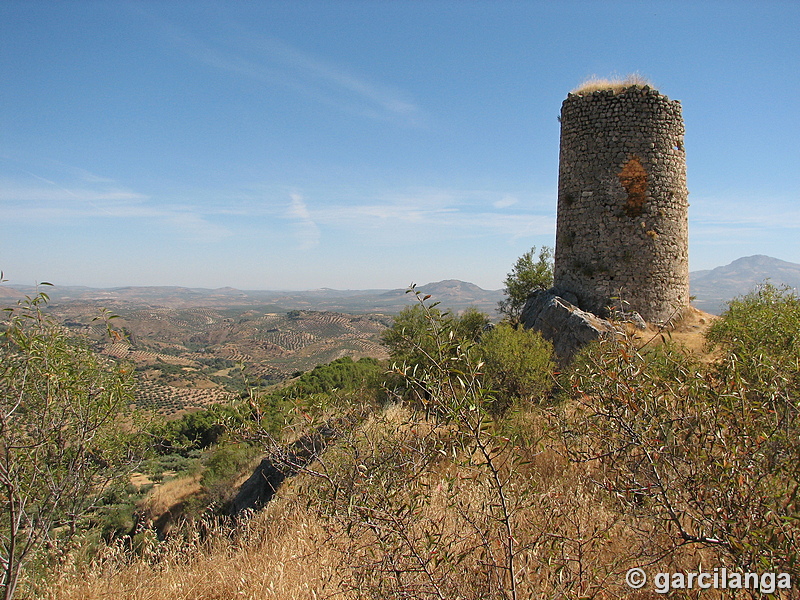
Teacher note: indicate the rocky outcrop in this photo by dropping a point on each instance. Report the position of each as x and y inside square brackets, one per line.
[564, 324]
[285, 461]
[261, 486]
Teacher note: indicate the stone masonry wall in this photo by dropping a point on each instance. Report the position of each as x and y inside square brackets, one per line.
[622, 228]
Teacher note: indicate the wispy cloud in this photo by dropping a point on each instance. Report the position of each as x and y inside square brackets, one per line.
[196, 226]
[443, 214]
[505, 202]
[34, 198]
[272, 61]
[305, 229]
[383, 218]
[387, 100]
[741, 214]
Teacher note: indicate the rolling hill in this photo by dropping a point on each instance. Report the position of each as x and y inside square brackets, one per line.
[453, 294]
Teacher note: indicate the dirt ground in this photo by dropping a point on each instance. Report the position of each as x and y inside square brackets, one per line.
[689, 331]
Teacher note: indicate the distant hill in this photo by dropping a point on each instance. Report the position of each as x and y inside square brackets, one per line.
[452, 294]
[715, 287]
[712, 288]
[453, 288]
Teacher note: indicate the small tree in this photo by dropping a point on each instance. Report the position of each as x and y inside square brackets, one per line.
[450, 385]
[471, 324]
[408, 339]
[528, 275]
[411, 340]
[61, 439]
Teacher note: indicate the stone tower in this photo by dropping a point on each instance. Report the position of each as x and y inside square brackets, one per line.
[622, 230]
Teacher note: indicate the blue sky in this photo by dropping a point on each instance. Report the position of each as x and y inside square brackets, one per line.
[297, 145]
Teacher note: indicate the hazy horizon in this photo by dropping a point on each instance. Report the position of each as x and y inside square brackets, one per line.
[316, 289]
[357, 145]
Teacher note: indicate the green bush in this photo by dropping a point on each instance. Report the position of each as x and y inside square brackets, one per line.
[226, 463]
[342, 374]
[196, 430]
[760, 336]
[418, 331]
[409, 339]
[519, 364]
[443, 374]
[471, 325]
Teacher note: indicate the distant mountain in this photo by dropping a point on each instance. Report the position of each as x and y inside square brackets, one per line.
[455, 294]
[715, 287]
[456, 288]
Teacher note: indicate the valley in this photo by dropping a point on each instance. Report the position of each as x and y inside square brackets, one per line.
[189, 358]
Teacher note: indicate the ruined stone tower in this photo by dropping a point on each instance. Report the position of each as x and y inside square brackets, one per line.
[622, 228]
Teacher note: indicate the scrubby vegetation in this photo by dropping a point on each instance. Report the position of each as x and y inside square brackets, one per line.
[701, 456]
[467, 467]
[64, 435]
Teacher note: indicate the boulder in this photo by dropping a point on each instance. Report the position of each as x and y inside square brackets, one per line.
[564, 324]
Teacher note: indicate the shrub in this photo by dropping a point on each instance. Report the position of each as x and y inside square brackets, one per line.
[341, 374]
[471, 325]
[762, 331]
[443, 375]
[196, 430]
[418, 332]
[225, 464]
[409, 339]
[708, 456]
[519, 364]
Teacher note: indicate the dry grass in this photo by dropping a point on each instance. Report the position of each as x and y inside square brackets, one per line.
[165, 496]
[614, 84]
[688, 331]
[571, 541]
[283, 554]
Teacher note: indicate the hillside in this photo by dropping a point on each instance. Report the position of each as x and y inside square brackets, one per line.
[476, 480]
[453, 294]
[193, 347]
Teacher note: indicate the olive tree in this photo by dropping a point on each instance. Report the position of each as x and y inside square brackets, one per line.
[529, 274]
